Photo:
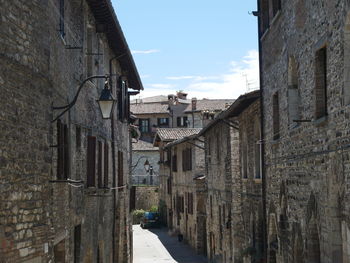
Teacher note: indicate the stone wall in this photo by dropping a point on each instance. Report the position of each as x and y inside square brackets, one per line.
[308, 165]
[146, 197]
[42, 220]
[187, 194]
[219, 201]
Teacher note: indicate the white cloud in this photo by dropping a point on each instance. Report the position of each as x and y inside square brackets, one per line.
[242, 77]
[161, 86]
[195, 78]
[149, 51]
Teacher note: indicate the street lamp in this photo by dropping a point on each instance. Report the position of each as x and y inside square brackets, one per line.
[147, 166]
[106, 102]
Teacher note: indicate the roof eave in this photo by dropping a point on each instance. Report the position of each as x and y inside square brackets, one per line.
[104, 14]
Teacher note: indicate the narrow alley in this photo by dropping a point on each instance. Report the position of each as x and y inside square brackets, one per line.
[155, 245]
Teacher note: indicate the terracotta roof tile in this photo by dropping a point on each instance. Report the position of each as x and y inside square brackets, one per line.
[143, 146]
[149, 108]
[208, 104]
[170, 134]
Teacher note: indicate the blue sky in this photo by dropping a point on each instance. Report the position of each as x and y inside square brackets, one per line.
[206, 48]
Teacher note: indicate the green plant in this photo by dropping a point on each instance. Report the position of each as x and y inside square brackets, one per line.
[153, 208]
[137, 215]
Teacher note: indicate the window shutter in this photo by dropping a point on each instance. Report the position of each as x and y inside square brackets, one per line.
[106, 165]
[185, 121]
[321, 83]
[120, 169]
[65, 152]
[99, 165]
[91, 161]
[178, 121]
[183, 160]
[60, 150]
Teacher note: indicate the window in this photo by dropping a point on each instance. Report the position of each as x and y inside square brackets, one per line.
[123, 100]
[91, 161]
[77, 138]
[99, 165]
[190, 203]
[321, 83]
[62, 151]
[106, 165]
[211, 206]
[120, 169]
[218, 147]
[169, 185]
[182, 121]
[61, 25]
[187, 159]
[276, 116]
[174, 163]
[293, 93]
[163, 122]
[144, 125]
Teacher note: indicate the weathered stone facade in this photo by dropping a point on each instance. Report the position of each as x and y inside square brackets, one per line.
[146, 197]
[219, 205]
[305, 84]
[49, 210]
[188, 191]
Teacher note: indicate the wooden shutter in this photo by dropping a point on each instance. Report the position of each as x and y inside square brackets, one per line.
[185, 121]
[174, 161]
[106, 165]
[190, 159]
[178, 121]
[91, 161]
[120, 169]
[99, 165]
[65, 152]
[321, 83]
[60, 150]
[183, 160]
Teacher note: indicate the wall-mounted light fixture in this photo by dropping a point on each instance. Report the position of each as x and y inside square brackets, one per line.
[106, 101]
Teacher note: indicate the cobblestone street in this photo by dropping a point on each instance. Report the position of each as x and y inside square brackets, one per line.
[155, 245]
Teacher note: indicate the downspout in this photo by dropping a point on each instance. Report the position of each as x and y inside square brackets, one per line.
[113, 159]
[262, 145]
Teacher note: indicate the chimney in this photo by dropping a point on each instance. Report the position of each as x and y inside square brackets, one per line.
[181, 95]
[194, 104]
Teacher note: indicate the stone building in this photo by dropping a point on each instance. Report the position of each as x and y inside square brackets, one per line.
[305, 73]
[64, 193]
[145, 152]
[161, 139]
[233, 188]
[201, 112]
[188, 190]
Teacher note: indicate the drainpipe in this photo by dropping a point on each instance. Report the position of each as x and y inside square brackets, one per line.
[113, 159]
[262, 145]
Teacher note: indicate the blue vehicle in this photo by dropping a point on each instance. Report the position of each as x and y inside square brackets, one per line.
[150, 219]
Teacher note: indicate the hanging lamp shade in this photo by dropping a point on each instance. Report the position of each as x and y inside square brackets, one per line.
[106, 103]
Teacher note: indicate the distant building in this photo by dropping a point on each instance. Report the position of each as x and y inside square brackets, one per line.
[167, 161]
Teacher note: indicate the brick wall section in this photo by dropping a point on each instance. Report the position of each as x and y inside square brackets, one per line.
[307, 168]
[36, 72]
